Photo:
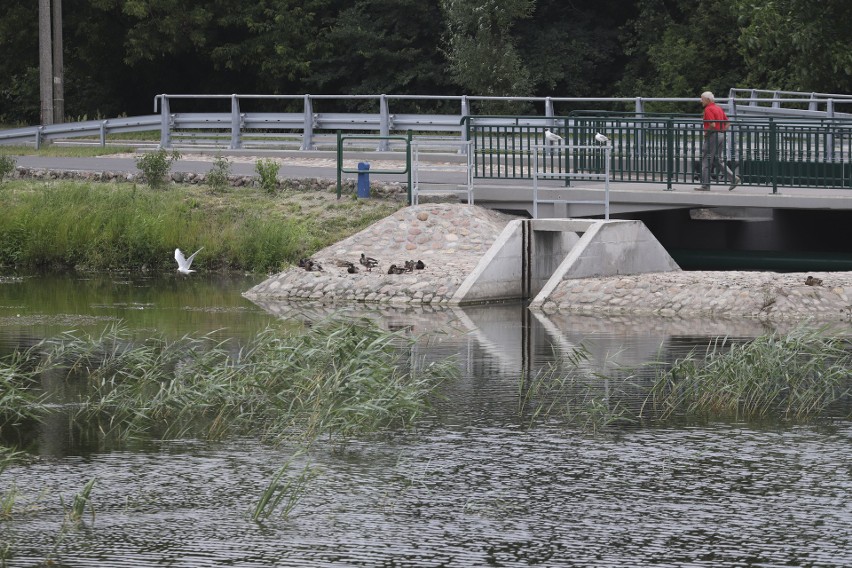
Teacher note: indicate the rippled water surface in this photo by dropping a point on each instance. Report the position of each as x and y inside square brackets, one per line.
[471, 485]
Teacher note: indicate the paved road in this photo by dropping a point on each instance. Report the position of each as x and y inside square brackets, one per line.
[449, 169]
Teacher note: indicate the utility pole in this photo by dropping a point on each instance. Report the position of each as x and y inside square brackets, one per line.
[45, 62]
[58, 67]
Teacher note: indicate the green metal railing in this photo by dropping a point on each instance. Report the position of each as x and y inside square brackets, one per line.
[666, 148]
[341, 138]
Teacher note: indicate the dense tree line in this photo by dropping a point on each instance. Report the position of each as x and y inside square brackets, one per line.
[120, 53]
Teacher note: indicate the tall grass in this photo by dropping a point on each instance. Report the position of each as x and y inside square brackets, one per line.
[52, 150]
[793, 377]
[109, 226]
[799, 376]
[567, 391]
[77, 508]
[283, 492]
[337, 379]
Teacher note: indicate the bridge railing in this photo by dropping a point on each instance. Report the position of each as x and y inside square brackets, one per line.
[790, 151]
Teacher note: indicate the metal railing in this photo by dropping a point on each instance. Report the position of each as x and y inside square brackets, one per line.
[799, 152]
[598, 155]
[231, 121]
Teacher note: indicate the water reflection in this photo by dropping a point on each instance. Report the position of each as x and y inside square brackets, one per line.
[471, 485]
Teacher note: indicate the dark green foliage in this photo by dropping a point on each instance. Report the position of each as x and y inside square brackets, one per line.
[120, 54]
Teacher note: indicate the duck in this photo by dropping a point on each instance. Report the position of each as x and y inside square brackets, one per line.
[312, 266]
[419, 265]
[394, 269]
[409, 265]
[811, 281]
[351, 269]
[368, 261]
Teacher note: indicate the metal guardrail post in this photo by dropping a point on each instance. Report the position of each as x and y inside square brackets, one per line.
[384, 123]
[235, 123]
[38, 137]
[165, 142]
[308, 127]
[103, 133]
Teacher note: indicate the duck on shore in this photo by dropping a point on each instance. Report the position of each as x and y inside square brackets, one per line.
[368, 262]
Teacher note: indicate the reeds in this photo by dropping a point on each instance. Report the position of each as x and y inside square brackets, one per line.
[339, 379]
[568, 391]
[797, 377]
[791, 377]
[283, 492]
[77, 508]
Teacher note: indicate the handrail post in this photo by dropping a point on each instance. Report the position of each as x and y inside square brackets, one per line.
[408, 162]
[669, 153]
[308, 126]
[773, 155]
[235, 122]
[465, 111]
[164, 122]
[829, 142]
[384, 123]
[339, 163]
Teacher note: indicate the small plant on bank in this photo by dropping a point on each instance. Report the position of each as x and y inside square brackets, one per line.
[7, 166]
[268, 171]
[217, 177]
[155, 165]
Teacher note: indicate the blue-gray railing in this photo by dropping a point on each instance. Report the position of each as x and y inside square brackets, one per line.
[797, 152]
[180, 121]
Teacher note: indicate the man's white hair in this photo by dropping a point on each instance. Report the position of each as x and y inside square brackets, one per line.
[709, 96]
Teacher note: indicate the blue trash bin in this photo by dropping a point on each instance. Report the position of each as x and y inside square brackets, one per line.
[363, 179]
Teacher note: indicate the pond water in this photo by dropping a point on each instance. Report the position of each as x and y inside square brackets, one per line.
[471, 485]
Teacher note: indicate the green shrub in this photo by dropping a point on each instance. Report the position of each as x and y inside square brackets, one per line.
[268, 171]
[217, 177]
[155, 165]
[7, 166]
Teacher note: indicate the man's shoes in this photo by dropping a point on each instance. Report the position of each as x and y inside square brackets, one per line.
[737, 182]
[702, 188]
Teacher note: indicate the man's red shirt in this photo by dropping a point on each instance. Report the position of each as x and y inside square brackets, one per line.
[715, 118]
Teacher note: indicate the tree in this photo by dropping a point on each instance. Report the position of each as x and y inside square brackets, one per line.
[572, 49]
[679, 48]
[799, 45]
[382, 46]
[481, 49]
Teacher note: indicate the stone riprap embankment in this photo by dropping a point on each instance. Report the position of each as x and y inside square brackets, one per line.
[766, 296]
[449, 239]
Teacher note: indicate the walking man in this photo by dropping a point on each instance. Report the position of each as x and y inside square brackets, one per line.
[713, 147]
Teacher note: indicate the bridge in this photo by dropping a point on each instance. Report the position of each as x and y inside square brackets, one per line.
[792, 151]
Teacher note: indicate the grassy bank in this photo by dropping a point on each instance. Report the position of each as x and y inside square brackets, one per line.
[94, 226]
